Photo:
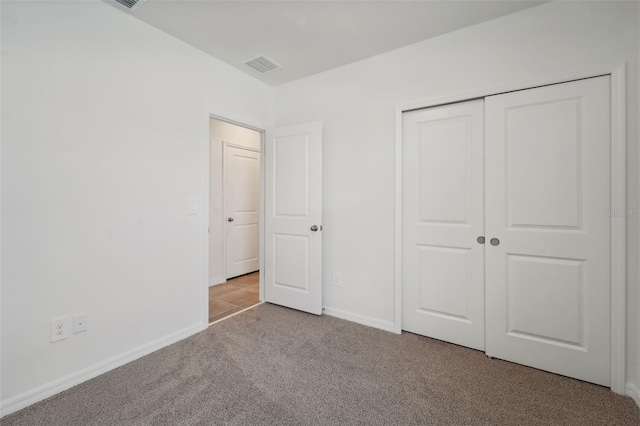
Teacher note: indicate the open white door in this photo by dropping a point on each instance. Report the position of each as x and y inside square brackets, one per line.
[293, 217]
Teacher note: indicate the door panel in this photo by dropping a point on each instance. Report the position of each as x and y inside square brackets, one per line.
[293, 205]
[291, 176]
[291, 262]
[241, 202]
[443, 265]
[547, 191]
[543, 163]
[530, 280]
[443, 278]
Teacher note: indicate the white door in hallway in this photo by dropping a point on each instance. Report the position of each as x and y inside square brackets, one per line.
[293, 217]
[548, 156]
[242, 209]
[443, 215]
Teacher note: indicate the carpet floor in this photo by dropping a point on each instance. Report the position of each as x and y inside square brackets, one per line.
[272, 365]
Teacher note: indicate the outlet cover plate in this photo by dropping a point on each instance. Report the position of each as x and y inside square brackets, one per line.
[337, 279]
[60, 328]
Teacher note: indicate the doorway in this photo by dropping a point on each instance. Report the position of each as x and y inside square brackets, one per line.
[234, 218]
[289, 212]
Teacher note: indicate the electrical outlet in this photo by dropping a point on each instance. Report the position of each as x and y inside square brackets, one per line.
[337, 279]
[60, 328]
[193, 206]
[79, 323]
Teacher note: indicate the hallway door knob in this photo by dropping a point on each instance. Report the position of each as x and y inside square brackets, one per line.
[229, 219]
[314, 228]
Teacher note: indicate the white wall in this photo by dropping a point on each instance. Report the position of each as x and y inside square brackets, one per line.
[103, 143]
[220, 132]
[356, 106]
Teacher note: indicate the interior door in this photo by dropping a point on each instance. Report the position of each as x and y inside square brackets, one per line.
[548, 252]
[241, 204]
[443, 260]
[293, 217]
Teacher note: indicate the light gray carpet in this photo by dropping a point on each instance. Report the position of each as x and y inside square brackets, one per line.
[272, 365]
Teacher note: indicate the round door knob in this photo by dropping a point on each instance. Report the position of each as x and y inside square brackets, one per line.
[480, 240]
[229, 219]
[314, 228]
[494, 241]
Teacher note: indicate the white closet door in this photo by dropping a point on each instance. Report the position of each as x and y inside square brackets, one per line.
[443, 264]
[547, 193]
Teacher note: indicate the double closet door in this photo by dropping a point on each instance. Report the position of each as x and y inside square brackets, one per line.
[506, 241]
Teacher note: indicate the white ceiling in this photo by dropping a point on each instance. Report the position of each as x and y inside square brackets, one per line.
[308, 37]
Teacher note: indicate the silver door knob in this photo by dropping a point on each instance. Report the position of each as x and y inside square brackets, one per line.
[229, 219]
[314, 228]
[480, 240]
[494, 241]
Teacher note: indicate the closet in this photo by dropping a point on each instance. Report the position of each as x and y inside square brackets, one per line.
[506, 238]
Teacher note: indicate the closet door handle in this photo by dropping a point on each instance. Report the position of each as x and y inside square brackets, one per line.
[480, 240]
[494, 241]
[229, 219]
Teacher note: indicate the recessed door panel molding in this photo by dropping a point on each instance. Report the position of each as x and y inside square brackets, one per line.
[544, 179]
[443, 264]
[291, 175]
[242, 209]
[247, 169]
[546, 299]
[291, 262]
[444, 281]
[293, 217]
[445, 156]
[548, 186]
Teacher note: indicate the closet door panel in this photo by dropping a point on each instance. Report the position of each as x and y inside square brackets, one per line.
[443, 264]
[547, 193]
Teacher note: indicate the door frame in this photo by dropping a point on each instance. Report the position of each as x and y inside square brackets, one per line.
[225, 146]
[249, 122]
[618, 196]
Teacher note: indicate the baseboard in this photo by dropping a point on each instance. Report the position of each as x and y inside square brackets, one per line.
[216, 281]
[360, 319]
[632, 390]
[47, 390]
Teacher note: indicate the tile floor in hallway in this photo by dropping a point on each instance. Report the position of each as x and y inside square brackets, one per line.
[233, 296]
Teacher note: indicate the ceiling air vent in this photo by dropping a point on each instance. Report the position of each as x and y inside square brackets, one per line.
[129, 4]
[262, 64]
